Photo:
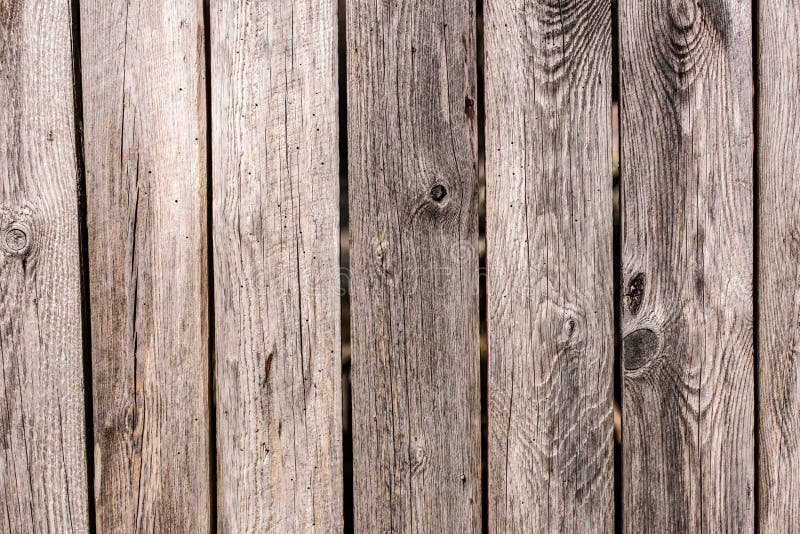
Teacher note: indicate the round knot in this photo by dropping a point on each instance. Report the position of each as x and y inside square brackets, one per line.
[683, 14]
[16, 240]
[639, 348]
[438, 193]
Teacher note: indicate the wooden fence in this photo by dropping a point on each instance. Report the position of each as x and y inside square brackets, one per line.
[171, 320]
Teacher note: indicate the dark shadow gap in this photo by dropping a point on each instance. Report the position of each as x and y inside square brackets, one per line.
[617, 199]
[83, 246]
[344, 269]
[212, 391]
[484, 366]
[756, 249]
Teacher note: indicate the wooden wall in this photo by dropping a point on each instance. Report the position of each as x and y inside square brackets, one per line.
[298, 266]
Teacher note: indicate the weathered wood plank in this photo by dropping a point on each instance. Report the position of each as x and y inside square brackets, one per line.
[276, 265]
[42, 436]
[144, 111]
[414, 285]
[779, 265]
[686, 122]
[549, 261]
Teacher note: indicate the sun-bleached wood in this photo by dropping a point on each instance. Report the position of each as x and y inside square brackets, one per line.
[411, 78]
[687, 265]
[144, 105]
[549, 261]
[779, 265]
[276, 265]
[43, 486]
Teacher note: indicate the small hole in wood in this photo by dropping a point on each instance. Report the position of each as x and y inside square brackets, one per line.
[438, 193]
[634, 293]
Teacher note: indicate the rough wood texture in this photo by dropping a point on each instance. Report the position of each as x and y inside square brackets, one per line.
[276, 265]
[42, 442]
[144, 112]
[549, 261]
[686, 122]
[414, 286]
[779, 261]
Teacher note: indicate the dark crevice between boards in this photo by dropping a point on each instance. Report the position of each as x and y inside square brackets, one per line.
[756, 248]
[212, 391]
[83, 245]
[344, 269]
[617, 198]
[484, 365]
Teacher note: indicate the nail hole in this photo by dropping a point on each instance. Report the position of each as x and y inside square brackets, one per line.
[469, 107]
[438, 192]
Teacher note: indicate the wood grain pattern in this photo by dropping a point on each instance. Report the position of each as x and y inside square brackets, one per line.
[414, 288]
[687, 182]
[43, 486]
[779, 261]
[276, 265]
[549, 260]
[144, 111]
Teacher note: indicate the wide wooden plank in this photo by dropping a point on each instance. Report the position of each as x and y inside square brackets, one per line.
[276, 265]
[414, 283]
[42, 435]
[144, 110]
[687, 265]
[779, 265]
[549, 260]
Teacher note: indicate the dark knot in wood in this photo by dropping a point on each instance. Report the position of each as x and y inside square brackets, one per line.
[438, 193]
[639, 348]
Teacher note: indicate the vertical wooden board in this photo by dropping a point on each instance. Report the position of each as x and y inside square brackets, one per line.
[687, 265]
[779, 257]
[42, 441]
[549, 261]
[144, 111]
[276, 265]
[414, 282]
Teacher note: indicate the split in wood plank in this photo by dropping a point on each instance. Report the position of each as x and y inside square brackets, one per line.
[779, 265]
[549, 259]
[43, 484]
[414, 265]
[144, 103]
[687, 265]
[276, 265]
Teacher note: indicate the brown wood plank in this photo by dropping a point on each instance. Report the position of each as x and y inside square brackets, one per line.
[549, 241]
[687, 265]
[414, 281]
[144, 110]
[42, 436]
[276, 265]
[779, 261]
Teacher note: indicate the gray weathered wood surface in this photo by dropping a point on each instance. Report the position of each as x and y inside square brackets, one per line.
[687, 265]
[43, 486]
[276, 265]
[144, 111]
[549, 261]
[779, 265]
[414, 288]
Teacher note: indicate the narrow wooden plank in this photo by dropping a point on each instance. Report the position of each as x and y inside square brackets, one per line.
[549, 234]
[42, 436]
[779, 258]
[276, 265]
[144, 111]
[414, 286]
[686, 123]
